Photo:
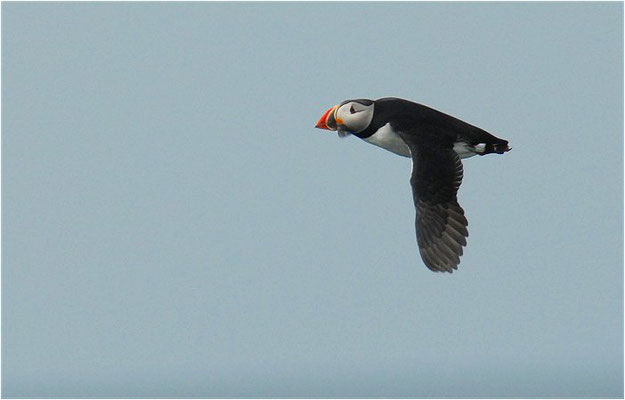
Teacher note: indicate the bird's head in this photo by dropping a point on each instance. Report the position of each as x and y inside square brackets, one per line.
[351, 116]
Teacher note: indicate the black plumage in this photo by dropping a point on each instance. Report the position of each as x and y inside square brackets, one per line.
[414, 119]
[440, 222]
[436, 141]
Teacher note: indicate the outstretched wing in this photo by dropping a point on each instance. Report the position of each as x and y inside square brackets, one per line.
[440, 222]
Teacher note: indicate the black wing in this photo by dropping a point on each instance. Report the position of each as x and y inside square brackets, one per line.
[436, 176]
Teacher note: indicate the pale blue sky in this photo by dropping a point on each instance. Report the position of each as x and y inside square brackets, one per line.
[174, 226]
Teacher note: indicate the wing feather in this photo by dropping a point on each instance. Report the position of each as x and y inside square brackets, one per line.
[440, 222]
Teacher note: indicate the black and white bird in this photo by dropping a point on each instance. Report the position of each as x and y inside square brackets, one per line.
[436, 142]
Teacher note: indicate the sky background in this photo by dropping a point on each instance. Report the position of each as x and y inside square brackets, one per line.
[174, 226]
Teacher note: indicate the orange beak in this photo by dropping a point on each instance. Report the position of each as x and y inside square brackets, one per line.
[323, 121]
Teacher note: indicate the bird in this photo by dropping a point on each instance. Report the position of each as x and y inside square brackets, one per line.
[436, 142]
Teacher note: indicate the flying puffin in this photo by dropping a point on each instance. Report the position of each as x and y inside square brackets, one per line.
[436, 142]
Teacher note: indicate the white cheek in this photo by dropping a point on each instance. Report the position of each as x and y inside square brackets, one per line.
[343, 115]
[356, 122]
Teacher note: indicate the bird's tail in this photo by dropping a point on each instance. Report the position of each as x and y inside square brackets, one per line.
[498, 147]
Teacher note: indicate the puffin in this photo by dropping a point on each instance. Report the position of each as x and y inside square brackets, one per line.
[436, 143]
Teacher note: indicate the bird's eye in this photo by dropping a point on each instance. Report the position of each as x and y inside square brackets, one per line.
[352, 110]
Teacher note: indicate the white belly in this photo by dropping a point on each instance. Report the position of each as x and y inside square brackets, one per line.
[387, 139]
